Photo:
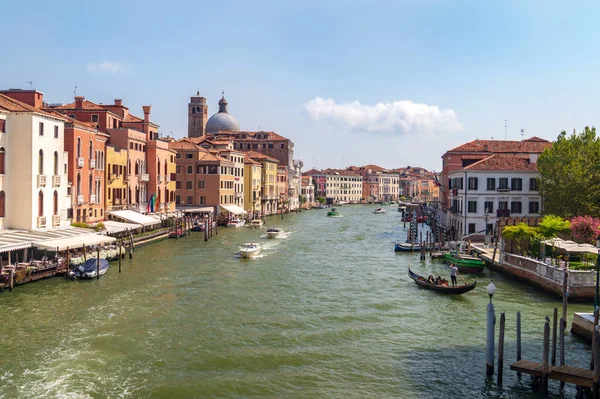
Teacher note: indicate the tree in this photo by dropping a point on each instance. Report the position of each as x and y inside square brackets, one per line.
[585, 228]
[552, 226]
[302, 199]
[570, 174]
[320, 199]
[520, 233]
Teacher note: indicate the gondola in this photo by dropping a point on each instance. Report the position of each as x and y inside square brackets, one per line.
[457, 290]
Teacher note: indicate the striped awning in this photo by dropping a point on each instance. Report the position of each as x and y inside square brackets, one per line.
[14, 240]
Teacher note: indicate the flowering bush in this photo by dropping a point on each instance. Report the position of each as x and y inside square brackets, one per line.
[585, 228]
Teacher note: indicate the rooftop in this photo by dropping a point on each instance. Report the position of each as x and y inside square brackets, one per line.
[504, 162]
[527, 146]
[258, 155]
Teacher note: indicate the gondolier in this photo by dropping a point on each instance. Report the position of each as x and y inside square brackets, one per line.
[453, 272]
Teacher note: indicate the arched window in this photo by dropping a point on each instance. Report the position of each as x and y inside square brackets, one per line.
[2, 204]
[91, 149]
[78, 147]
[78, 186]
[41, 163]
[2, 160]
[41, 203]
[55, 203]
[137, 168]
[55, 163]
[158, 163]
[165, 169]
[90, 187]
[129, 167]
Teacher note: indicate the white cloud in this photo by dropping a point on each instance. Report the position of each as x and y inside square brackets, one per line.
[109, 67]
[396, 117]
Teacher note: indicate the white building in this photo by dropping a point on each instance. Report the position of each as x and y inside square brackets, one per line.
[295, 184]
[308, 190]
[499, 186]
[33, 166]
[339, 185]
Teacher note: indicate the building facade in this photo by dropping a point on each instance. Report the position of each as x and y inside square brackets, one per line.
[252, 186]
[340, 185]
[116, 179]
[269, 190]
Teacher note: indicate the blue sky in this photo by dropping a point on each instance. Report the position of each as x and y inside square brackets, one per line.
[314, 71]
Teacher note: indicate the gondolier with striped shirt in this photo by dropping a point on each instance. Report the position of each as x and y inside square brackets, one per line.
[453, 272]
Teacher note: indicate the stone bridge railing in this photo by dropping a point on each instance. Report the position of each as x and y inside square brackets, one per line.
[551, 273]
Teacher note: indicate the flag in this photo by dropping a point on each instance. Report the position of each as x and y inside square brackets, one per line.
[152, 201]
[436, 180]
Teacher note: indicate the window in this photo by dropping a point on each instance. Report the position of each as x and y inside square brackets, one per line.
[55, 163]
[515, 207]
[472, 206]
[55, 203]
[188, 185]
[190, 200]
[131, 146]
[41, 163]
[55, 132]
[533, 184]
[471, 228]
[2, 161]
[534, 207]
[264, 146]
[41, 203]
[503, 183]
[503, 205]
[491, 183]
[94, 118]
[190, 169]
[189, 156]
[255, 146]
[270, 146]
[41, 128]
[201, 184]
[202, 200]
[178, 184]
[516, 184]
[178, 169]
[489, 206]
[177, 156]
[2, 204]
[91, 149]
[473, 183]
[282, 146]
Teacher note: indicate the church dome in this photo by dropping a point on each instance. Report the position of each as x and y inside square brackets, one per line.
[222, 121]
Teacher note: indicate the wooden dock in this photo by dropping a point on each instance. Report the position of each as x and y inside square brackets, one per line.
[569, 374]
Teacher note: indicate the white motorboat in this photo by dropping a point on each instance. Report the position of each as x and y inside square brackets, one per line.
[250, 250]
[379, 210]
[256, 223]
[236, 222]
[274, 232]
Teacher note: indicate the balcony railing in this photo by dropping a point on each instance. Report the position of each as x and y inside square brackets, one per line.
[93, 198]
[41, 222]
[503, 189]
[239, 194]
[112, 177]
[159, 178]
[502, 213]
[56, 220]
[167, 178]
[55, 181]
[41, 181]
[144, 177]
[79, 199]
[92, 164]
[80, 162]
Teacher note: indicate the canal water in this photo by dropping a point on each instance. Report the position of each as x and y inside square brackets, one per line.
[326, 312]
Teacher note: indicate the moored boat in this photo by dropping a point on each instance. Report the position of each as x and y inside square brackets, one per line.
[274, 232]
[89, 269]
[445, 289]
[236, 222]
[409, 247]
[250, 250]
[256, 223]
[379, 211]
[465, 263]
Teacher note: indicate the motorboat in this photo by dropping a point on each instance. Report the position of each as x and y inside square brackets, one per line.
[401, 208]
[410, 247]
[176, 233]
[250, 250]
[89, 269]
[274, 232]
[379, 210]
[256, 223]
[236, 222]
[333, 213]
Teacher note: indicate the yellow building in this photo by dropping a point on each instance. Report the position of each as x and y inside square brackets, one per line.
[252, 186]
[116, 180]
[269, 192]
[171, 182]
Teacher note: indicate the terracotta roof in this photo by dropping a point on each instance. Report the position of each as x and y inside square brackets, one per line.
[480, 156]
[340, 172]
[251, 161]
[10, 104]
[132, 118]
[258, 155]
[184, 144]
[529, 146]
[86, 105]
[206, 156]
[373, 167]
[311, 172]
[252, 135]
[503, 162]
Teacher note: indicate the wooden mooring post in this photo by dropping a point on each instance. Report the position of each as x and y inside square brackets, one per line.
[11, 280]
[518, 340]
[554, 321]
[68, 266]
[546, 349]
[596, 378]
[594, 342]
[120, 244]
[561, 355]
[501, 348]
[206, 230]
[97, 263]
[565, 295]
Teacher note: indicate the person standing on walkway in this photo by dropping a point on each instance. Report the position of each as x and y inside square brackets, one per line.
[453, 273]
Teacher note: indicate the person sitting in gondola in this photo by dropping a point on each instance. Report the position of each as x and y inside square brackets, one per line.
[430, 279]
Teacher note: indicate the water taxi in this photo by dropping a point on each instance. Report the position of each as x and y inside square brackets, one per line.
[236, 222]
[256, 223]
[379, 210]
[274, 232]
[250, 250]
[333, 213]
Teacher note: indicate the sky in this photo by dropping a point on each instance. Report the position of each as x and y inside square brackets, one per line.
[393, 83]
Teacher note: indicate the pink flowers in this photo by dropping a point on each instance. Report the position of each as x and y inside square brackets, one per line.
[585, 228]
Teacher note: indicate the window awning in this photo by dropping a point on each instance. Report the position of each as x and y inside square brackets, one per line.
[74, 242]
[135, 217]
[571, 246]
[236, 210]
[117, 227]
[14, 240]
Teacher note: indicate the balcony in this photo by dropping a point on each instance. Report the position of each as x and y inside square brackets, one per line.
[41, 181]
[55, 181]
[503, 189]
[239, 194]
[93, 198]
[80, 162]
[79, 199]
[112, 177]
[41, 222]
[159, 178]
[92, 164]
[55, 220]
[503, 213]
[144, 177]
[167, 178]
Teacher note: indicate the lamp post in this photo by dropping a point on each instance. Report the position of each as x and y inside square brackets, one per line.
[597, 271]
[486, 217]
[491, 321]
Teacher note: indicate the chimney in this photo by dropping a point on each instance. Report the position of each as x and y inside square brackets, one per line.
[533, 158]
[79, 102]
[118, 102]
[146, 109]
[485, 148]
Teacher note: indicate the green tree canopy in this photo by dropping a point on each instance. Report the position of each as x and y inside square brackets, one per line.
[320, 199]
[552, 226]
[570, 174]
[520, 233]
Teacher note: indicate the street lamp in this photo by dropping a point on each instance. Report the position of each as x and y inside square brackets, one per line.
[491, 321]
[491, 290]
[597, 271]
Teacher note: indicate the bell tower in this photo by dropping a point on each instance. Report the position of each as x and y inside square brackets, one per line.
[197, 116]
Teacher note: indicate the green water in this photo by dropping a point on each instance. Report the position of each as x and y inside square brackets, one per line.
[327, 312]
